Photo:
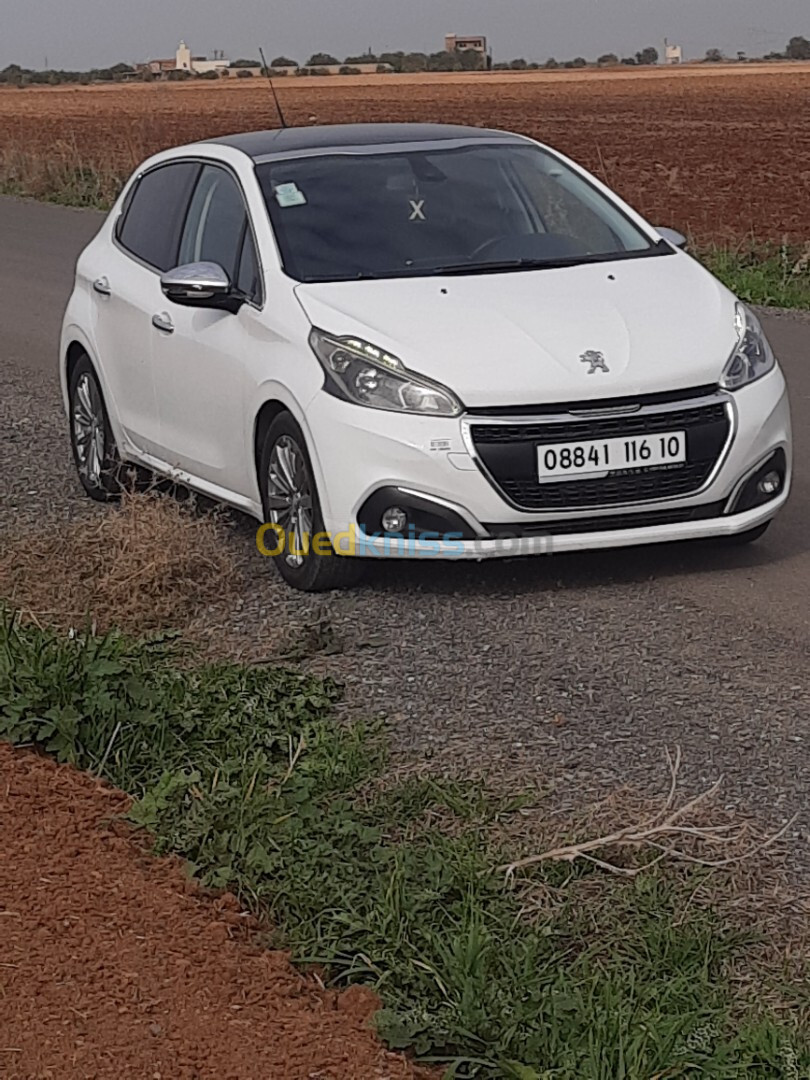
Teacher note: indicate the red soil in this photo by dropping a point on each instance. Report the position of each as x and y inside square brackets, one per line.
[723, 152]
[112, 964]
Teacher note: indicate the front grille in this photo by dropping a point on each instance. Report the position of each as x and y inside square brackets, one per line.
[509, 454]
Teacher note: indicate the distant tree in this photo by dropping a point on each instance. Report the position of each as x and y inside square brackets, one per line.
[501, 65]
[518, 65]
[798, 49]
[774, 56]
[608, 60]
[579, 62]
[647, 56]
[244, 63]
[384, 69]
[209, 75]
[366, 58]
[551, 64]
[414, 61]
[321, 59]
[629, 61]
[243, 73]
[741, 56]
[283, 61]
[471, 60]
[395, 59]
[444, 61]
[714, 56]
[178, 75]
[347, 69]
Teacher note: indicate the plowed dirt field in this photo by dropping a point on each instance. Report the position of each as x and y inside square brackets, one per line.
[721, 152]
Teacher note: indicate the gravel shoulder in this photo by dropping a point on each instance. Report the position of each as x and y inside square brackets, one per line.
[575, 671]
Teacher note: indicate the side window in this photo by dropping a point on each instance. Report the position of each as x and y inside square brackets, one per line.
[154, 216]
[216, 222]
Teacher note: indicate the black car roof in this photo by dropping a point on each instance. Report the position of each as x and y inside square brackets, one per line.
[257, 144]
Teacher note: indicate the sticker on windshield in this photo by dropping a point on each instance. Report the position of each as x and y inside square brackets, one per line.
[289, 195]
[417, 208]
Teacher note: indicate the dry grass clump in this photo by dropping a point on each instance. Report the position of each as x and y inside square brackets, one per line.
[151, 563]
[59, 174]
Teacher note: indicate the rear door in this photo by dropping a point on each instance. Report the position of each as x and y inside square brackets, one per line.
[126, 293]
[201, 362]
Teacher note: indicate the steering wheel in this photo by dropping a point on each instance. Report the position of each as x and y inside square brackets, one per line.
[482, 249]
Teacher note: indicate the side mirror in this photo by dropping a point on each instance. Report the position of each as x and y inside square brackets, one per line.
[672, 236]
[201, 285]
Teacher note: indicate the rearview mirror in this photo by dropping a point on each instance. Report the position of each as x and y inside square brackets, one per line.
[672, 236]
[201, 285]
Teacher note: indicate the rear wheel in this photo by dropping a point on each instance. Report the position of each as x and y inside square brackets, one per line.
[290, 502]
[94, 451]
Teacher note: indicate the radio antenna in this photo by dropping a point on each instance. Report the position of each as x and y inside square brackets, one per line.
[272, 89]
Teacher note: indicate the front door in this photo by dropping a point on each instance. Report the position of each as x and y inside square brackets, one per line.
[200, 356]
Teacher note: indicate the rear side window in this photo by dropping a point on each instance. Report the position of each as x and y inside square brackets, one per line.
[154, 217]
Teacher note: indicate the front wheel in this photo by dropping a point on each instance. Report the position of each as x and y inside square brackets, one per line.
[94, 451]
[307, 561]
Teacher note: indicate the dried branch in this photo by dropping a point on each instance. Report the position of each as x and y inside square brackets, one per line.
[660, 833]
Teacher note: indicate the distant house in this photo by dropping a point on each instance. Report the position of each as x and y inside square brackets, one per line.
[158, 67]
[184, 61]
[198, 65]
[463, 42]
[673, 54]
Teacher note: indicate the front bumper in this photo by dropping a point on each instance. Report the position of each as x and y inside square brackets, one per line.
[357, 451]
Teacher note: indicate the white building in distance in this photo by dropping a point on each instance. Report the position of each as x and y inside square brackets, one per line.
[198, 65]
[673, 54]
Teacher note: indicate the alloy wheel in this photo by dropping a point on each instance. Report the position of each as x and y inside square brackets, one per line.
[289, 498]
[89, 430]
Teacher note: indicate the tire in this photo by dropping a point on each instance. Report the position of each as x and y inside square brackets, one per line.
[741, 539]
[290, 500]
[95, 454]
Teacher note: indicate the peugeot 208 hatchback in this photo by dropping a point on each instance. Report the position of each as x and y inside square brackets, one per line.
[417, 341]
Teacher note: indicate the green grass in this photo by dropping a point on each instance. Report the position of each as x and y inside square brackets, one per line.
[767, 275]
[245, 773]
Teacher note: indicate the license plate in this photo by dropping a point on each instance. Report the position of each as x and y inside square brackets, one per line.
[580, 460]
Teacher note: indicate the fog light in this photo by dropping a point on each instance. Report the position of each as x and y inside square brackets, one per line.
[394, 519]
[770, 483]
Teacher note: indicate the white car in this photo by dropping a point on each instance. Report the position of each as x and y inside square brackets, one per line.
[417, 341]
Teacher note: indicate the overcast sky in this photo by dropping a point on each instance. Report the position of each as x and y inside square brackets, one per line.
[96, 33]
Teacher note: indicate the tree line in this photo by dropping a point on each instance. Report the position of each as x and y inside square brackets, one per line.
[798, 48]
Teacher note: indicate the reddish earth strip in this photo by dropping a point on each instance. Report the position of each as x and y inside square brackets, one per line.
[113, 965]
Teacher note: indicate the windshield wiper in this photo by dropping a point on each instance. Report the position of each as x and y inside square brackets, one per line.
[507, 264]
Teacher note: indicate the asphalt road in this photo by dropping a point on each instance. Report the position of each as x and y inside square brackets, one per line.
[580, 668]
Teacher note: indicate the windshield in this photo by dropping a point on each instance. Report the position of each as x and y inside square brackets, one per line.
[470, 209]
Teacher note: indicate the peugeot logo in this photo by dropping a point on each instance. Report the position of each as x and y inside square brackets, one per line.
[596, 360]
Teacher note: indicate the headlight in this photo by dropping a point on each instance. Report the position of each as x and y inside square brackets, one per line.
[360, 372]
[752, 357]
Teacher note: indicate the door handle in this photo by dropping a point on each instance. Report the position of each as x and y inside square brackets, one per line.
[163, 322]
[102, 287]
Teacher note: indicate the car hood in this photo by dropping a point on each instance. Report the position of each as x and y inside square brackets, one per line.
[661, 323]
